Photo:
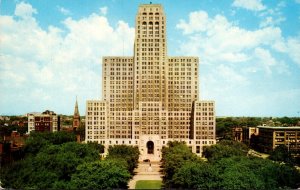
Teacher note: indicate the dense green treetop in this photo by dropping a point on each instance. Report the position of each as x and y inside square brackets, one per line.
[195, 175]
[281, 153]
[38, 140]
[53, 163]
[106, 174]
[228, 167]
[56, 161]
[224, 149]
[129, 153]
[173, 157]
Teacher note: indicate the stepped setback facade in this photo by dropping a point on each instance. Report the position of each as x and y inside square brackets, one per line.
[150, 98]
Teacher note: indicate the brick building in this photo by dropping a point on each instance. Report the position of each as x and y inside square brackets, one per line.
[46, 121]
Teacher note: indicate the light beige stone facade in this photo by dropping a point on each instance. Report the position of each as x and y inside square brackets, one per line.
[151, 98]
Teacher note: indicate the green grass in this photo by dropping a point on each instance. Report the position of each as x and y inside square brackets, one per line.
[148, 184]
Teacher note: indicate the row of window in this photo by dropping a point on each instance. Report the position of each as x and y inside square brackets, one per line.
[120, 60]
[204, 104]
[96, 104]
[151, 23]
[151, 13]
[178, 60]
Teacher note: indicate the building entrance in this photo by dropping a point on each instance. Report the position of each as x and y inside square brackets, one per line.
[150, 147]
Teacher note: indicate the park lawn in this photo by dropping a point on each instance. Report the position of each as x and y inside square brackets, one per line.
[148, 184]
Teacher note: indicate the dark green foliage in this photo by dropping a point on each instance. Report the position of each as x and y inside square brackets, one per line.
[225, 149]
[282, 154]
[173, 157]
[196, 175]
[225, 125]
[64, 159]
[54, 163]
[232, 170]
[287, 121]
[7, 126]
[106, 174]
[129, 153]
[255, 173]
[239, 173]
[38, 140]
[81, 131]
[97, 146]
[6, 130]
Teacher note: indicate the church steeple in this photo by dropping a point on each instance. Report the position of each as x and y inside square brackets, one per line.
[76, 112]
[76, 117]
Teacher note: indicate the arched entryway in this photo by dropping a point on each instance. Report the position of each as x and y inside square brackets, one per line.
[150, 147]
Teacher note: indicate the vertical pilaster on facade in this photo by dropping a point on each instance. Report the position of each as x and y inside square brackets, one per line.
[150, 98]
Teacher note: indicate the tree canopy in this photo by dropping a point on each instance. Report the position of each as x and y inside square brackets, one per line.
[53, 163]
[38, 140]
[106, 174]
[173, 157]
[282, 154]
[56, 161]
[129, 153]
[228, 167]
[225, 148]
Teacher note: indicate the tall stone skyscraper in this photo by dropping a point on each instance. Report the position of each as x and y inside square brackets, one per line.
[150, 98]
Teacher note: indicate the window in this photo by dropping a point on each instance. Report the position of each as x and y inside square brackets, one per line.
[198, 149]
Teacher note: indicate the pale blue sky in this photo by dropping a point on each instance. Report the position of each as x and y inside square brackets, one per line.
[249, 50]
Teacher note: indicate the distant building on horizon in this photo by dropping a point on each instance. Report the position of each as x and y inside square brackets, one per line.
[41, 122]
[76, 117]
[151, 98]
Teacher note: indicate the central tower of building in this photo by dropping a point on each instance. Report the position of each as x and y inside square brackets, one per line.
[150, 98]
[150, 59]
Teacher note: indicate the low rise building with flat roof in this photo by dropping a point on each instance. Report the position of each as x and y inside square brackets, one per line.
[46, 121]
[271, 137]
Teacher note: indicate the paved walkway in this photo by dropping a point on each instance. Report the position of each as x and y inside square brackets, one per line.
[145, 172]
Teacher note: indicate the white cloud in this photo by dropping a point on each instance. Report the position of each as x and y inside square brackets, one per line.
[103, 10]
[265, 58]
[62, 63]
[229, 74]
[253, 5]
[64, 10]
[293, 45]
[273, 17]
[24, 10]
[240, 67]
[269, 21]
[218, 40]
[198, 22]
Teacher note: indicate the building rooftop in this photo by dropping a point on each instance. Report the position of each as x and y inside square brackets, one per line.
[279, 127]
